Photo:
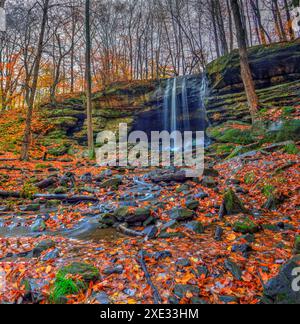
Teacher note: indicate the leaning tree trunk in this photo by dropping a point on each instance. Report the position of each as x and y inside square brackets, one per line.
[88, 79]
[244, 61]
[27, 133]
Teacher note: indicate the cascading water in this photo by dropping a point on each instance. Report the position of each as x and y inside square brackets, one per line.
[166, 105]
[174, 107]
[185, 105]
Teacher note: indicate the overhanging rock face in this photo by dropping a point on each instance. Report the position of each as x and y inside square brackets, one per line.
[271, 65]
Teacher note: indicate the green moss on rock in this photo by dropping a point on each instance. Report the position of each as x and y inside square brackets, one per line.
[246, 226]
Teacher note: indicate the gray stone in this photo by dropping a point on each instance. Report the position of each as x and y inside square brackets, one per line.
[182, 290]
[53, 255]
[192, 204]
[43, 246]
[195, 226]
[102, 298]
[38, 226]
[150, 232]
[30, 208]
[234, 269]
[279, 290]
[182, 214]
[113, 270]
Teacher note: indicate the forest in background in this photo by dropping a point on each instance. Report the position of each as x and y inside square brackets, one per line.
[130, 39]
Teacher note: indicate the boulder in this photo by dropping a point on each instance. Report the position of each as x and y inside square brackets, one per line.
[30, 208]
[43, 246]
[234, 269]
[246, 226]
[86, 271]
[113, 270]
[232, 204]
[127, 215]
[195, 227]
[113, 183]
[192, 204]
[182, 214]
[182, 290]
[285, 288]
[209, 182]
[297, 245]
[38, 226]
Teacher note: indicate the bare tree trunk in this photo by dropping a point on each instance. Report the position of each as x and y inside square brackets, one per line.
[245, 67]
[88, 79]
[289, 20]
[27, 133]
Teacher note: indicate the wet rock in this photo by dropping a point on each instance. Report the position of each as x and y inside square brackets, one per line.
[219, 233]
[195, 226]
[107, 219]
[249, 238]
[183, 262]
[113, 270]
[182, 290]
[228, 299]
[60, 191]
[161, 255]
[246, 226]
[4, 209]
[113, 183]
[150, 232]
[273, 202]
[30, 208]
[209, 182]
[87, 177]
[245, 249]
[201, 195]
[297, 245]
[185, 188]
[38, 226]
[198, 301]
[234, 269]
[139, 215]
[232, 204]
[279, 290]
[103, 175]
[33, 290]
[86, 271]
[129, 292]
[182, 214]
[241, 190]
[167, 235]
[169, 176]
[53, 255]
[192, 204]
[202, 271]
[210, 172]
[271, 227]
[102, 298]
[149, 221]
[170, 225]
[43, 246]
[233, 181]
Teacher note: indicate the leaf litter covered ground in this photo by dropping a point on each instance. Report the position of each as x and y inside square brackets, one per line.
[185, 268]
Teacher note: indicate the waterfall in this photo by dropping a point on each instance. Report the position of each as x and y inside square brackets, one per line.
[185, 106]
[167, 96]
[174, 107]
